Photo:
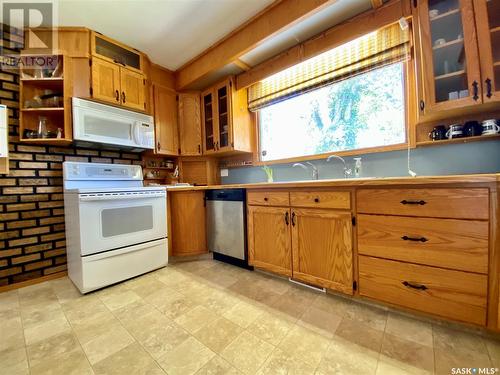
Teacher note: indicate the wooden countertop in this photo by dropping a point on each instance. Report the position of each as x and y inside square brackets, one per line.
[355, 182]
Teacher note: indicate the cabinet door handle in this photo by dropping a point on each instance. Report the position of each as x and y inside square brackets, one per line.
[488, 88]
[118, 62]
[293, 218]
[159, 147]
[117, 95]
[414, 286]
[286, 218]
[421, 202]
[475, 90]
[199, 149]
[123, 96]
[414, 239]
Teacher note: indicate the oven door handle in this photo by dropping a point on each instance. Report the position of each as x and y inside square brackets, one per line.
[113, 197]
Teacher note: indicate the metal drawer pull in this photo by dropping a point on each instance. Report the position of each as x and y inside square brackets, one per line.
[286, 218]
[293, 218]
[316, 200]
[414, 286]
[415, 239]
[265, 199]
[404, 201]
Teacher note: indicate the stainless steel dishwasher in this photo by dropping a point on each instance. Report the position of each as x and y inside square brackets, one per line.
[226, 225]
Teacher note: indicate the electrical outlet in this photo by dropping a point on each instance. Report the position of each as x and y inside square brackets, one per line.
[224, 172]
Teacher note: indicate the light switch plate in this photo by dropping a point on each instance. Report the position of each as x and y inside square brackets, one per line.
[224, 172]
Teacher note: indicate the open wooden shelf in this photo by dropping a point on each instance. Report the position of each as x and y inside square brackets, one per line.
[54, 79]
[458, 140]
[47, 141]
[43, 109]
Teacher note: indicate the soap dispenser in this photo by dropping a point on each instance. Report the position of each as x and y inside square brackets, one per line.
[357, 167]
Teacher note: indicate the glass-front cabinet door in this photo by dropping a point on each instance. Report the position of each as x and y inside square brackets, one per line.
[208, 115]
[450, 59]
[223, 96]
[488, 32]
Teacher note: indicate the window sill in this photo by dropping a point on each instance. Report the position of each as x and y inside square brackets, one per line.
[359, 151]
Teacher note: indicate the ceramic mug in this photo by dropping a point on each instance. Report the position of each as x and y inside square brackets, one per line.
[472, 129]
[439, 41]
[490, 127]
[455, 131]
[438, 133]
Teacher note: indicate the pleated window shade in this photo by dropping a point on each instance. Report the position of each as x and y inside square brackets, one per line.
[382, 47]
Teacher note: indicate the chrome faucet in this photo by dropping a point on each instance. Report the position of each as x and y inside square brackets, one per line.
[347, 171]
[315, 174]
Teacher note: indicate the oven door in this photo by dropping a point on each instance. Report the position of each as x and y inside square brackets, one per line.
[114, 220]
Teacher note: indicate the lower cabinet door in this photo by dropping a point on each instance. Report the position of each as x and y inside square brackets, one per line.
[269, 244]
[322, 248]
[187, 223]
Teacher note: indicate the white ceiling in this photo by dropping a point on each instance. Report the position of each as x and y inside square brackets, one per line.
[170, 32]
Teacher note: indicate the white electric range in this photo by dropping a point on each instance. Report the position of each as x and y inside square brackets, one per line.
[115, 227]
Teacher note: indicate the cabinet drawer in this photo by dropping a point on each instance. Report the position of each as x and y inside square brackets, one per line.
[268, 198]
[452, 294]
[447, 243]
[451, 203]
[321, 199]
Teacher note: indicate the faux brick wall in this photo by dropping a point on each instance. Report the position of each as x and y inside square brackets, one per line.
[32, 237]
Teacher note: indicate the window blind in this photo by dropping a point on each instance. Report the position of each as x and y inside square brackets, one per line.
[382, 47]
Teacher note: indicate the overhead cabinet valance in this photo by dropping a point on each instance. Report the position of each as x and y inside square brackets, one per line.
[385, 46]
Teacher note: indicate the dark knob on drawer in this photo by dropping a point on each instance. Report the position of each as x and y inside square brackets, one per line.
[421, 203]
[316, 200]
[414, 286]
[415, 239]
[266, 199]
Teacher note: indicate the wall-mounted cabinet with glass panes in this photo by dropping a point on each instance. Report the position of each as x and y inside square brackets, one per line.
[458, 43]
[226, 122]
[117, 75]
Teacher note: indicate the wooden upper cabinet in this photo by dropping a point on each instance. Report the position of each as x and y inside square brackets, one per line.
[165, 115]
[488, 34]
[269, 241]
[105, 81]
[116, 52]
[132, 89]
[226, 121]
[207, 112]
[190, 124]
[450, 61]
[322, 248]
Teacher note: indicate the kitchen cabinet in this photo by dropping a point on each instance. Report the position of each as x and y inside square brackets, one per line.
[322, 248]
[115, 52]
[226, 121]
[165, 115]
[426, 249]
[459, 64]
[106, 81]
[313, 245]
[116, 84]
[188, 234]
[488, 35]
[269, 239]
[190, 124]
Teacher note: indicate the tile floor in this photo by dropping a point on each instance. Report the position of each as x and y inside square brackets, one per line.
[205, 317]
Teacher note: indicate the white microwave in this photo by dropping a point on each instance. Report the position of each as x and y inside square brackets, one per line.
[100, 123]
